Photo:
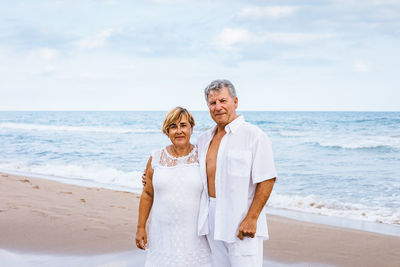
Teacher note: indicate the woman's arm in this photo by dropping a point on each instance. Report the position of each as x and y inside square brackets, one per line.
[146, 202]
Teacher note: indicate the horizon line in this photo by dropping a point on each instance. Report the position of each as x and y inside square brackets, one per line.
[157, 110]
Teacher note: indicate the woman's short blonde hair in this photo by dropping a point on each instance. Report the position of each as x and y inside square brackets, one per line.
[174, 116]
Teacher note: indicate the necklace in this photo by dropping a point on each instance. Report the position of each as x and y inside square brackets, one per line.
[175, 154]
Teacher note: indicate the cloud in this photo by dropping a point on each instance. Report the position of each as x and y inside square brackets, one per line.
[387, 14]
[45, 70]
[169, 1]
[230, 37]
[95, 41]
[295, 38]
[362, 66]
[384, 2]
[45, 53]
[270, 11]
[111, 2]
[89, 75]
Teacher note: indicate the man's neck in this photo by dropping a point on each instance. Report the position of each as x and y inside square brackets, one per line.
[220, 130]
[221, 127]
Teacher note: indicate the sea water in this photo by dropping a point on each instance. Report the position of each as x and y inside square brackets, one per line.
[340, 164]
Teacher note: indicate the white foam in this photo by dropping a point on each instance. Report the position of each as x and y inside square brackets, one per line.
[315, 205]
[360, 142]
[346, 140]
[64, 128]
[292, 133]
[81, 174]
[381, 228]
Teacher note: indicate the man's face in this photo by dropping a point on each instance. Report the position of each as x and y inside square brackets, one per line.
[222, 106]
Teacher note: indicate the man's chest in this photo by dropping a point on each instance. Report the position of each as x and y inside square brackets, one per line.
[212, 154]
[213, 147]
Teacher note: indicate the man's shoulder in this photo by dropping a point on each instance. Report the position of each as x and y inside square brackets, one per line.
[253, 133]
[251, 129]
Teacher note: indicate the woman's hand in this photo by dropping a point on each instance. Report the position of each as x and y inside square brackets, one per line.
[141, 238]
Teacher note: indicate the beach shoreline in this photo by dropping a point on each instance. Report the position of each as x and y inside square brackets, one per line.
[48, 217]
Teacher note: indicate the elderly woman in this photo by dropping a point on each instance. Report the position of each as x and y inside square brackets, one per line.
[173, 189]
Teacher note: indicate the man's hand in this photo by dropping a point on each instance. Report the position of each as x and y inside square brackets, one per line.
[248, 227]
[144, 178]
[141, 238]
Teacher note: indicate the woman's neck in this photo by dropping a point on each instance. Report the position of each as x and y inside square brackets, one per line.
[180, 151]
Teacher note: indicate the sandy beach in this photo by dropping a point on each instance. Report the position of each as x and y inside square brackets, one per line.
[42, 216]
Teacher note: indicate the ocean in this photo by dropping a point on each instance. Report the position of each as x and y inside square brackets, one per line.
[337, 164]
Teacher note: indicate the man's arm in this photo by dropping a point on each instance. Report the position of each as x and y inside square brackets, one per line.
[248, 226]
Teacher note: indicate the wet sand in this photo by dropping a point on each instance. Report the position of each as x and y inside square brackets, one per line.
[42, 216]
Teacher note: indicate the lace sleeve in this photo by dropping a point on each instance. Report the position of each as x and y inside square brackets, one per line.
[155, 158]
[193, 157]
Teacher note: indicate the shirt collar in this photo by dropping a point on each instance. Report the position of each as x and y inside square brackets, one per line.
[235, 124]
[231, 127]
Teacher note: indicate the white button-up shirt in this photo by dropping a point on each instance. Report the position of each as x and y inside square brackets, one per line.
[244, 159]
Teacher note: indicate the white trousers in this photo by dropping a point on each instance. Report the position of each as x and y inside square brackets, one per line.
[247, 252]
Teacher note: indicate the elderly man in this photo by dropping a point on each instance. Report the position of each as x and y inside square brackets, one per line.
[238, 173]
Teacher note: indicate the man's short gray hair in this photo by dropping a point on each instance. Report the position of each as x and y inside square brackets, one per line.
[217, 85]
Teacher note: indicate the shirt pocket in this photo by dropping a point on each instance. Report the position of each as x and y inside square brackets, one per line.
[239, 163]
[248, 246]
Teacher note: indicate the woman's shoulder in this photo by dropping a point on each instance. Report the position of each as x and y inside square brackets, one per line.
[156, 155]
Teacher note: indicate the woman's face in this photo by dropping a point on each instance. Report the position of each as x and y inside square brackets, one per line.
[179, 133]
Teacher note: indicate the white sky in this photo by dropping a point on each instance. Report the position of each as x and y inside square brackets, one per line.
[154, 55]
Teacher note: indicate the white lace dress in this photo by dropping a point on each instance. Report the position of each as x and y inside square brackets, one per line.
[173, 239]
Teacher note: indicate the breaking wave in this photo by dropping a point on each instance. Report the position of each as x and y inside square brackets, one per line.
[313, 204]
[52, 128]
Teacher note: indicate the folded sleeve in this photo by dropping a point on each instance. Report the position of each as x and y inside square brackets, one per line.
[263, 167]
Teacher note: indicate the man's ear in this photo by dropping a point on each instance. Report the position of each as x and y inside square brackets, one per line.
[236, 101]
